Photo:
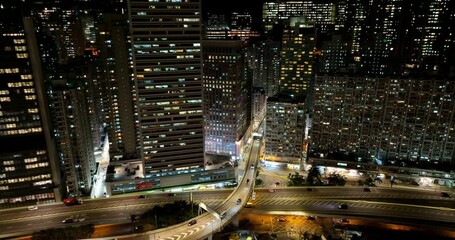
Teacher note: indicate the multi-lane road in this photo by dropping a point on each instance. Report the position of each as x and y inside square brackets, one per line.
[385, 202]
[380, 202]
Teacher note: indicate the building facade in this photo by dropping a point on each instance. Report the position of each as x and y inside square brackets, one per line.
[73, 137]
[384, 118]
[321, 13]
[224, 97]
[117, 85]
[265, 65]
[285, 129]
[297, 59]
[166, 40]
[29, 172]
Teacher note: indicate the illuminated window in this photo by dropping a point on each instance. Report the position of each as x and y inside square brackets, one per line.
[5, 99]
[20, 48]
[22, 55]
[30, 97]
[9, 169]
[28, 76]
[19, 41]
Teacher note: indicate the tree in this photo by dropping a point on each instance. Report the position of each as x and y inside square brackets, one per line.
[336, 179]
[258, 182]
[314, 176]
[169, 214]
[295, 180]
[368, 181]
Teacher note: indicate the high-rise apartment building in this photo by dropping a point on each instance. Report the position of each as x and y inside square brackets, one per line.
[73, 135]
[384, 118]
[166, 40]
[265, 64]
[428, 45]
[335, 55]
[297, 52]
[224, 97]
[29, 172]
[118, 86]
[285, 129]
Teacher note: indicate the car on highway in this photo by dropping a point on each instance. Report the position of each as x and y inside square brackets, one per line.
[252, 166]
[192, 222]
[72, 201]
[247, 181]
[367, 189]
[138, 228]
[68, 220]
[271, 190]
[310, 189]
[171, 194]
[445, 194]
[249, 205]
[223, 214]
[238, 201]
[142, 196]
[344, 220]
[281, 219]
[343, 206]
[32, 208]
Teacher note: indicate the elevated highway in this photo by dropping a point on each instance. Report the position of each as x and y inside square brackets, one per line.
[380, 203]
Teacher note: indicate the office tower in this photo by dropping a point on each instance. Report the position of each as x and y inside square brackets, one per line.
[335, 55]
[166, 40]
[118, 86]
[266, 66]
[73, 135]
[384, 118]
[224, 97]
[29, 171]
[297, 56]
[217, 27]
[285, 129]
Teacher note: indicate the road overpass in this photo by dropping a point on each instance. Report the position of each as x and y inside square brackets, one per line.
[410, 204]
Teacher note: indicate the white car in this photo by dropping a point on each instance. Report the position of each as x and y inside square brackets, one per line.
[32, 208]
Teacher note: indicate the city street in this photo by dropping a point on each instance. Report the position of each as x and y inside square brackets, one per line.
[99, 186]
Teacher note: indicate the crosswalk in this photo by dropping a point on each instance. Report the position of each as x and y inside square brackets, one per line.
[187, 234]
